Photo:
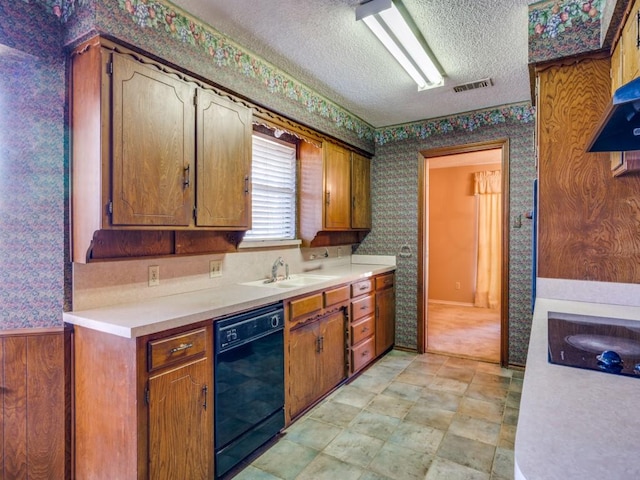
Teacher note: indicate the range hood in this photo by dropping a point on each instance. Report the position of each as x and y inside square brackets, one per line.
[619, 129]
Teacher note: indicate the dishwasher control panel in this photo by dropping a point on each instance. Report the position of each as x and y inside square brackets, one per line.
[245, 327]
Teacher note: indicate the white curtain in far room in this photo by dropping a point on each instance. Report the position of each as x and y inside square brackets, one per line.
[488, 192]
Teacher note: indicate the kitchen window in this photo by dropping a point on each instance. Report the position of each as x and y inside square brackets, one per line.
[273, 182]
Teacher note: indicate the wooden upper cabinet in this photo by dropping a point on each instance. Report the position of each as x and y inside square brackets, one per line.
[146, 158]
[360, 192]
[337, 189]
[334, 195]
[629, 40]
[224, 162]
[153, 124]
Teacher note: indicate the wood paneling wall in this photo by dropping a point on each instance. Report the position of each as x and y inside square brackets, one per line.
[35, 404]
[588, 220]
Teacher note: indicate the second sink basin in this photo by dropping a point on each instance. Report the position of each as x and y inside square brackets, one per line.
[296, 280]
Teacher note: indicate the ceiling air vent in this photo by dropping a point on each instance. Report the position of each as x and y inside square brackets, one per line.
[487, 82]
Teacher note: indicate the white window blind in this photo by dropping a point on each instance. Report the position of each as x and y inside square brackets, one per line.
[273, 185]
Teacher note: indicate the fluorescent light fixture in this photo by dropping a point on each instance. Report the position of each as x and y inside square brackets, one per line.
[389, 21]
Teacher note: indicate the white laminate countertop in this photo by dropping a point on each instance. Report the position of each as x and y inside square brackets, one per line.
[574, 423]
[132, 320]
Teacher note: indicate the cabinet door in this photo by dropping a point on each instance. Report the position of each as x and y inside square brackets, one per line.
[337, 178]
[224, 163]
[385, 320]
[332, 349]
[630, 51]
[153, 121]
[360, 192]
[304, 352]
[181, 423]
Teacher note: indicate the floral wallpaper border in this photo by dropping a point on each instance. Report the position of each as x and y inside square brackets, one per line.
[523, 113]
[560, 28]
[224, 53]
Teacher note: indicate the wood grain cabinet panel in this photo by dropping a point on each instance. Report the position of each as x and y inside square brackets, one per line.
[316, 361]
[337, 189]
[153, 121]
[588, 227]
[630, 50]
[360, 192]
[35, 405]
[385, 313]
[180, 434]
[224, 163]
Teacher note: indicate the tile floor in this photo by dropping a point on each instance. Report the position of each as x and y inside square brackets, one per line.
[408, 416]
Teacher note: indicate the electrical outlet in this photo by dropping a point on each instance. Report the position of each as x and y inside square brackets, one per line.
[457, 285]
[154, 275]
[215, 268]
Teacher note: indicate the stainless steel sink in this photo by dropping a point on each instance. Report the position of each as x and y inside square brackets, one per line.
[296, 280]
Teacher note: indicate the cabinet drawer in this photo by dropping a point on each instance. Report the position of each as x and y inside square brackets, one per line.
[362, 287]
[337, 295]
[385, 281]
[362, 307]
[362, 354]
[305, 306]
[362, 329]
[177, 348]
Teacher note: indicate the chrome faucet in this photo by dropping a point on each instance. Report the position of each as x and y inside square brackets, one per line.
[274, 269]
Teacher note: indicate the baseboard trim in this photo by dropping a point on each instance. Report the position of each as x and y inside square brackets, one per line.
[23, 332]
[447, 302]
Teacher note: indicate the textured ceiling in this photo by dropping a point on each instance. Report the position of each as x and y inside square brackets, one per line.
[320, 44]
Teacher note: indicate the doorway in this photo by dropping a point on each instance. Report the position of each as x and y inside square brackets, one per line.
[463, 251]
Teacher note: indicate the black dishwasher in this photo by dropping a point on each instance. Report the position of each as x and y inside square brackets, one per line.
[249, 383]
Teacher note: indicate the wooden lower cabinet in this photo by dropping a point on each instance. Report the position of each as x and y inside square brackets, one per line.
[144, 406]
[385, 313]
[316, 360]
[179, 422]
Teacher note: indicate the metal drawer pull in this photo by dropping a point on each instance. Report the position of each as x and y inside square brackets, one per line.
[365, 353]
[182, 346]
[363, 287]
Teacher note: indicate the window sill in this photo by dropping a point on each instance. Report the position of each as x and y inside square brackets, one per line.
[253, 244]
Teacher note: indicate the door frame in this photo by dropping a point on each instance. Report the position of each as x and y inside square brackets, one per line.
[423, 232]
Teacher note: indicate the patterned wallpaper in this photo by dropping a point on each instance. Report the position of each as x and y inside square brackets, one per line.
[32, 169]
[395, 214]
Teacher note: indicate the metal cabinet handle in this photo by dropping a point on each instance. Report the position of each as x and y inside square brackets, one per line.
[365, 353]
[246, 184]
[328, 198]
[179, 348]
[205, 392]
[187, 176]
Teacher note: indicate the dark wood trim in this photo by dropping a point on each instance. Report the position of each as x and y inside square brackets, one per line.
[423, 280]
[423, 172]
[23, 332]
